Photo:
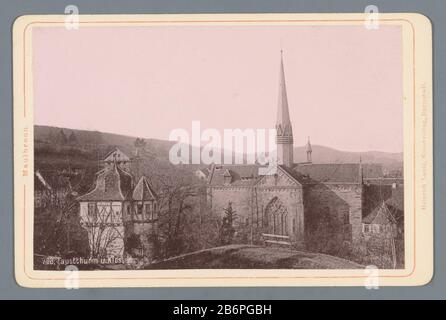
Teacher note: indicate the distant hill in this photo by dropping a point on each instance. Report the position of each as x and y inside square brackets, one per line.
[77, 154]
[323, 154]
[86, 138]
[160, 148]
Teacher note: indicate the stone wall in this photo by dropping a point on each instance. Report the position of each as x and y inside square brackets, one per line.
[249, 205]
[335, 210]
[241, 197]
[292, 199]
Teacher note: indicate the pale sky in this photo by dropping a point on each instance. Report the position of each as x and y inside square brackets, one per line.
[344, 83]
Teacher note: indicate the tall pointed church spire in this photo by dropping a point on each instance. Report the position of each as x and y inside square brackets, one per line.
[284, 130]
[283, 115]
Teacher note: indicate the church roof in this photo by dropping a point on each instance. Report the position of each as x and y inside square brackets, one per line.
[338, 172]
[112, 184]
[299, 177]
[247, 175]
[143, 190]
[241, 175]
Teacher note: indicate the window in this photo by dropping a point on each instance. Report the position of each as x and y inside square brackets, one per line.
[139, 210]
[376, 228]
[346, 217]
[148, 212]
[155, 212]
[129, 212]
[276, 216]
[366, 228]
[116, 212]
[92, 213]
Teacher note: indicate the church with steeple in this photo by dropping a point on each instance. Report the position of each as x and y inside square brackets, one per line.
[302, 203]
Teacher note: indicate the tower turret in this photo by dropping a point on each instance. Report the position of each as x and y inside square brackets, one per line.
[309, 151]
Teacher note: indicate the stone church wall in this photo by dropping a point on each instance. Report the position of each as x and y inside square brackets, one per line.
[332, 212]
[292, 199]
[246, 209]
[240, 197]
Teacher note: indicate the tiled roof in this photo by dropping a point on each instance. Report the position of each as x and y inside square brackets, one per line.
[205, 171]
[380, 215]
[143, 190]
[241, 175]
[116, 152]
[246, 175]
[384, 181]
[338, 172]
[112, 184]
[299, 177]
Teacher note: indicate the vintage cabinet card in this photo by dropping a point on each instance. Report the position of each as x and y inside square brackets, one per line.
[223, 150]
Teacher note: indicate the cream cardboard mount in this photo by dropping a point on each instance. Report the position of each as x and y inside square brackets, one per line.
[90, 209]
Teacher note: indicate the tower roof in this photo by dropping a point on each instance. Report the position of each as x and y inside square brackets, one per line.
[112, 184]
[283, 115]
[143, 190]
[116, 155]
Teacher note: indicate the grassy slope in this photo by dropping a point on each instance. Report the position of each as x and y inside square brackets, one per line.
[253, 257]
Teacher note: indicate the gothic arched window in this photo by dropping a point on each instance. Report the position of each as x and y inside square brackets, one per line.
[276, 217]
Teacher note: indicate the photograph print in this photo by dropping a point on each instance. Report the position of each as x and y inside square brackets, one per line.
[218, 147]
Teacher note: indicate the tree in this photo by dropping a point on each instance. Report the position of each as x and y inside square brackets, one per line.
[72, 139]
[57, 229]
[96, 138]
[61, 138]
[176, 205]
[50, 138]
[184, 223]
[104, 229]
[227, 228]
[140, 143]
